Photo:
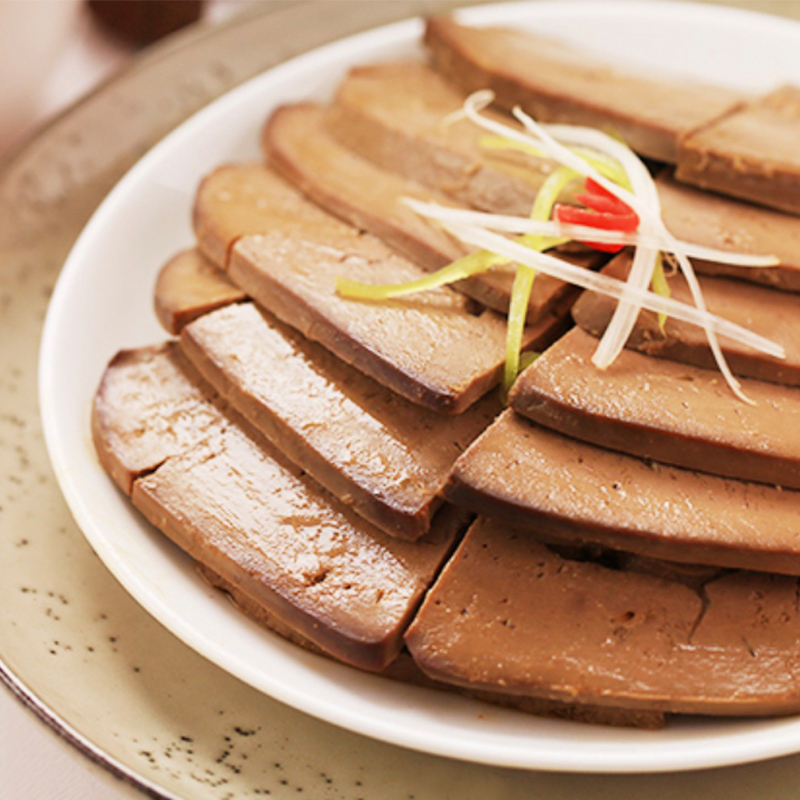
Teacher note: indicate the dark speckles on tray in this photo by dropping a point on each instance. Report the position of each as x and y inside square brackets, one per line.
[235, 747]
[57, 647]
[23, 460]
[53, 607]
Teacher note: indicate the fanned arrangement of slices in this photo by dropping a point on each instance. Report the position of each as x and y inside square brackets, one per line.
[461, 391]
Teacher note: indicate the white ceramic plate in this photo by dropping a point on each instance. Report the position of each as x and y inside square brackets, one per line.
[103, 302]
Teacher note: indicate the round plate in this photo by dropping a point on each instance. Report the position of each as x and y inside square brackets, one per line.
[103, 302]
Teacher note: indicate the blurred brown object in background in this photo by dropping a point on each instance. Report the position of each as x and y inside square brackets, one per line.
[141, 22]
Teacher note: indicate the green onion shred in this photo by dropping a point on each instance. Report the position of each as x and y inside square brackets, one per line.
[660, 286]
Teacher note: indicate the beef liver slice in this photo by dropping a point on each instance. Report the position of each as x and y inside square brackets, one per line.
[773, 314]
[724, 223]
[230, 500]
[753, 619]
[509, 614]
[671, 412]
[395, 115]
[237, 506]
[750, 153]
[431, 347]
[427, 347]
[299, 145]
[188, 286]
[573, 491]
[558, 82]
[383, 455]
[148, 407]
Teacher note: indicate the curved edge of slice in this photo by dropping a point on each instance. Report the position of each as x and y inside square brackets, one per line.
[241, 199]
[405, 670]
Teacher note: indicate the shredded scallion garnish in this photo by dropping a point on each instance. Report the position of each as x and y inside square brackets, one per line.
[644, 200]
[631, 197]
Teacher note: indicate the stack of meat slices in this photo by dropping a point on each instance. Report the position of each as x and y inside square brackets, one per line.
[613, 547]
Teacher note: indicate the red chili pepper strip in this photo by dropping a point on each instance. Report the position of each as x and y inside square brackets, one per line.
[604, 204]
[573, 215]
[593, 187]
[599, 198]
[603, 210]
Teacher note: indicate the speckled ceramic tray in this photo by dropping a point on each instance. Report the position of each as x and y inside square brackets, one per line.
[73, 644]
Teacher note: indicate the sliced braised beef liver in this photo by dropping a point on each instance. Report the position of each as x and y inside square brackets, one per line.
[672, 412]
[569, 490]
[231, 501]
[248, 514]
[382, 113]
[427, 347]
[433, 347]
[379, 115]
[749, 153]
[775, 315]
[721, 222]
[296, 142]
[240, 199]
[396, 115]
[299, 145]
[377, 452]
[510, 615]
[558, 82]
[188, 286]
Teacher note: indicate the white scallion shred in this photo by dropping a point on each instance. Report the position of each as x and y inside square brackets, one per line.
[551, 228]
[612, 287]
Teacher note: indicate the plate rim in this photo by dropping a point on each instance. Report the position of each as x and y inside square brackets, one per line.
[46, 715]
